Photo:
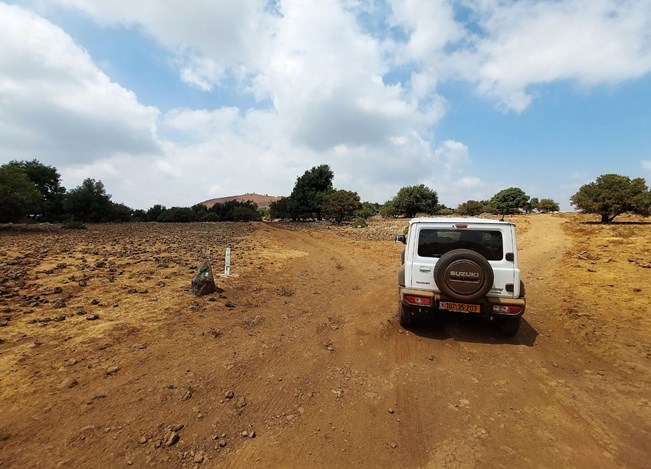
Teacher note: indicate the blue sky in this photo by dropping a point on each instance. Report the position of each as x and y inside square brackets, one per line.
[180, 101]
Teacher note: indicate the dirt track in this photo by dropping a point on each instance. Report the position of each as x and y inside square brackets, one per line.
[307, 340]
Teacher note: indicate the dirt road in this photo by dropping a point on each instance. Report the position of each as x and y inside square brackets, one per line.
[303, 350]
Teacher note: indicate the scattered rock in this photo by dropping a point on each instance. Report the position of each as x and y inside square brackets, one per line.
[59, 303]
[71, 361]
[241, 402]
[637, 290]
[171, 438]
[186, 395]
[245, 434]
[94, 302]
[229, 394]
[394, 445]
[92, 317]
[111, 370]
[390, 410]
[83, 283]
[177, 427]
[142, 440]
[199, 457]
[222, 443]
[430, 357]
[69, 383]
[229, 305]
[204, 282]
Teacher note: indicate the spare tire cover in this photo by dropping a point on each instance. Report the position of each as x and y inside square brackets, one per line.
[463, 274]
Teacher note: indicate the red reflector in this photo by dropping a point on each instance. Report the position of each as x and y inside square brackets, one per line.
[418, 300]
[461, 226]
[507, 309]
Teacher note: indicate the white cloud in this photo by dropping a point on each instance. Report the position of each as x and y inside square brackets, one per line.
[646, 164]
[56, 102]
[531, 42]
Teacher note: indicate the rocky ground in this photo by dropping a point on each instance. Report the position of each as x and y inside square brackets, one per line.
[108, 360]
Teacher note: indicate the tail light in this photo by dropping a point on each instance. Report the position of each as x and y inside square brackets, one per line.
[507, 309]
[418, 300]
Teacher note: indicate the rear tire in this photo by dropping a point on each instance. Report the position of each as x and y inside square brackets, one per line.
[406, 319]
[509, 326]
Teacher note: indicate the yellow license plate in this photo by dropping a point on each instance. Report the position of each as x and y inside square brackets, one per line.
[459, 307]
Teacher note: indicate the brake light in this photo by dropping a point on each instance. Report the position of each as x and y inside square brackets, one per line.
[461, 226]
[507, 309]
[418, 300]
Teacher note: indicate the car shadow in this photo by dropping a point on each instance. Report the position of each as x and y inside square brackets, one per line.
[464, 328]
[616, 223]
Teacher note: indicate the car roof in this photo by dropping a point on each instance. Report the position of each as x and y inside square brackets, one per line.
[467, 221]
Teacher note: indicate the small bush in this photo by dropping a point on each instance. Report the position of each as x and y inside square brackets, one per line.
[360, 223]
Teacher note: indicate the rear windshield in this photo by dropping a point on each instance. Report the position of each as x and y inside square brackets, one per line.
[435, 243]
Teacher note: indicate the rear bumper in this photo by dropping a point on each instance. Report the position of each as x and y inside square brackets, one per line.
[486, 304]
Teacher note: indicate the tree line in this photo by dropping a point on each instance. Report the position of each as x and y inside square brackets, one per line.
[30, 190]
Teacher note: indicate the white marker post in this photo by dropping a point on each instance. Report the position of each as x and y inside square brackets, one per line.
[227, 262]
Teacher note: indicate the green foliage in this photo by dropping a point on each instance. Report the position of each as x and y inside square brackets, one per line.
[367, 210]
[360, 223]
[309, 191]
[509, 200]
[547, 205]
[611, 195]
[444, 211]
[19, 197]
[532, 205]
[119, 212]
[280, 209]
[177, 215]
[388, 210]
[154, 212]
[89, 202]
[235, 211]
[471, 208]
[340, 205]
[411, 200]
[48, 182]
[138, 215]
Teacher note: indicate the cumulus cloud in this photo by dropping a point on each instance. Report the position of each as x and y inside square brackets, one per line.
[56, 102]
[507, 47]
[321, 84]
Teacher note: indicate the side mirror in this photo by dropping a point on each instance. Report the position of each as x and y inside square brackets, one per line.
[401, 239]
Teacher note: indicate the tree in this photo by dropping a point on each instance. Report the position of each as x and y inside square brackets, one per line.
[19, 197]
[508, 200]
[309, 191]
[177, 215]
[388, 210]
[154, 212]
[280, 209]
[470, 208]
[119, 212]
[367, 210]
[341, 204]
[611, 195]
[411, 200]
[89, 202]
[48, 182]
[532, 205]
[547, 205]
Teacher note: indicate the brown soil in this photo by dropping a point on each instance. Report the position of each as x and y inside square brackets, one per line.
[303, 349]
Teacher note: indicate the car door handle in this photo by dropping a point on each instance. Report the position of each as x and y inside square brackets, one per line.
[425, 269]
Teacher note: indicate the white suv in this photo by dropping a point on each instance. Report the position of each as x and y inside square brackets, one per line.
[461, 265]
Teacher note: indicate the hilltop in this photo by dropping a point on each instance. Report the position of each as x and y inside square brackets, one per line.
[263, 201]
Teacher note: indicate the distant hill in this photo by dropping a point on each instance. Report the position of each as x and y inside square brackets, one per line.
[263, 201]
